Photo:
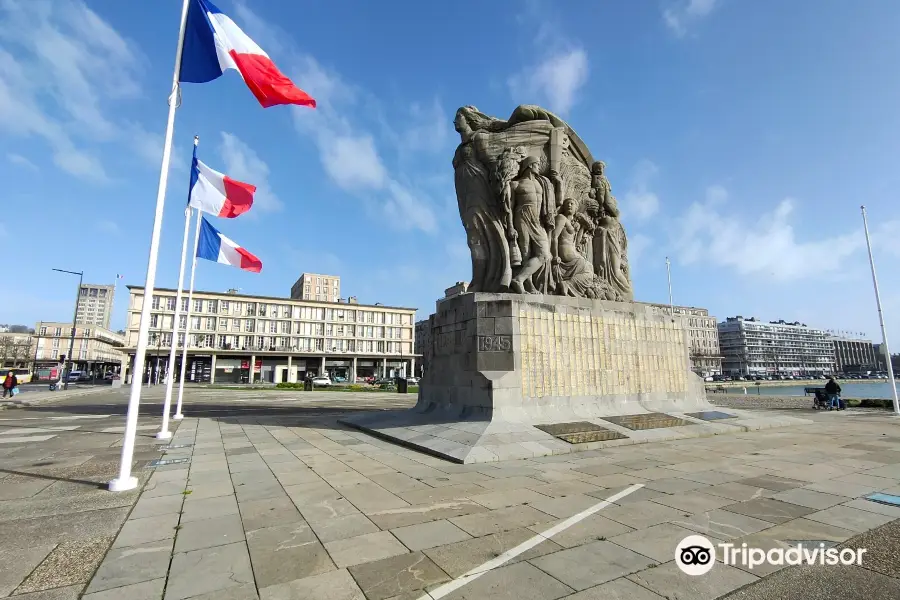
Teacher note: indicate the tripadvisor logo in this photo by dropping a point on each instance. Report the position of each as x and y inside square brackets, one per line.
[696, 555]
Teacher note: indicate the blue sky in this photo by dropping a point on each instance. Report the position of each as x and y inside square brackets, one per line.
[740, 138]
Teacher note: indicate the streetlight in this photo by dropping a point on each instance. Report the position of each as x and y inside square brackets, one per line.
[74, 319]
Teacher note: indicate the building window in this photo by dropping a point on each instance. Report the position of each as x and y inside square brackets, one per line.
[248, 324]
[184, 305]
[195, 323]
[181, 339]
[210, 323]
[170, 304]
[223, 307]
[182, 321]
[285, 327]
[211, 306]
[54, 354]
[155, 302]
[198, 306]
[236, 325]
[223, 324]
[273, 326]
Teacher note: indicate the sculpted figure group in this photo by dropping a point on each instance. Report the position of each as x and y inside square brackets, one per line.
[539, 213]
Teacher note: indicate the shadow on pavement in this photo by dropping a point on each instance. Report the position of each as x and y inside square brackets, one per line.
[52, 478]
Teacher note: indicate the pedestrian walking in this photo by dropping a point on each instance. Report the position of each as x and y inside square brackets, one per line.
[10, 383]
[833, 390]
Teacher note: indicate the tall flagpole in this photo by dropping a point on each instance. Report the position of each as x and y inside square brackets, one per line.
[884, 339]
[669, 277]
[187, 328]
[164, 433]
[125, 481]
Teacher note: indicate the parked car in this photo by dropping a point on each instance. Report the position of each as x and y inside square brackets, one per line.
[412, 380]
[321, 381]
[74, 376]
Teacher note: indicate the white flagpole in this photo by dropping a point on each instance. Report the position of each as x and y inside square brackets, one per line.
[884, 339]
[125, 481]
[187, 328]
[164, 433]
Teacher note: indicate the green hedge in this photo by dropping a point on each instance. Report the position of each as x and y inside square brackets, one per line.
[870, 403]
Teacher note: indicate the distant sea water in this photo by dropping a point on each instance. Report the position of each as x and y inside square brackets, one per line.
[848, 389]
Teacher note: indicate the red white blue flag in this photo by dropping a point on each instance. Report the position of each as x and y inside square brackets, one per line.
[213, 44]
[218, 194]
[214, 246]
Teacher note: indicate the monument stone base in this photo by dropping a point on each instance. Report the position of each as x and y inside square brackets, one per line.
[519, 376]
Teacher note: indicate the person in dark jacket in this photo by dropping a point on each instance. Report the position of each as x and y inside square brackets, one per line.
[833, 390]
[9, 383]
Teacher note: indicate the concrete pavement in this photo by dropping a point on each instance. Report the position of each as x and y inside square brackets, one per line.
[268, 497]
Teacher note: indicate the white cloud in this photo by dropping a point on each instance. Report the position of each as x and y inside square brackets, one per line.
[429, 129]
[242, 163]
[408, 211]
[21, 161]
[108, 227]
[555, 81]
[352, 161]
[681, 13]
[60, 65]
[885, 237]
[638, 244]
[348, 152]
[639, 202]
[707, 235]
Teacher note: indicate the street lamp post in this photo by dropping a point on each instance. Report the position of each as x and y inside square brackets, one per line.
[74, 319]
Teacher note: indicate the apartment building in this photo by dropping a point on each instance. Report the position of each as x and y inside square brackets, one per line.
[96, 348]
[424, 343]
[95, 305]
[853, 354]
[16, 349]
[238, 338]
[703, 333]
[315, 286]
[753, 347]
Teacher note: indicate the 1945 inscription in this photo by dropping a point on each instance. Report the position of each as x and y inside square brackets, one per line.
[495, 343]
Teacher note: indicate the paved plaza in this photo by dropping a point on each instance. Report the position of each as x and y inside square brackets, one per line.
[264, 495]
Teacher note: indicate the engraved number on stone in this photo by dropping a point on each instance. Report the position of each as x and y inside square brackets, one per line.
[494, 343]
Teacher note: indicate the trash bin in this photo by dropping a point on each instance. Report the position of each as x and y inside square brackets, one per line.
[402, 385]
[308, 385]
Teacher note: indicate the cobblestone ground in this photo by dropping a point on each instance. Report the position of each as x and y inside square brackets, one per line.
[269, 497]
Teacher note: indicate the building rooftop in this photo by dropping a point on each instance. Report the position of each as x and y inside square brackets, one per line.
[251, 297]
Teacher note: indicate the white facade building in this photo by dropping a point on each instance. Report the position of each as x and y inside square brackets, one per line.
[753, 347]
[238, 338]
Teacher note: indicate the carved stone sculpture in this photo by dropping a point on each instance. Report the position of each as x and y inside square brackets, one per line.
[538, 211]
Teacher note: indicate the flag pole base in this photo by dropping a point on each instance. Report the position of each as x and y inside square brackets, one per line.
[177, 417]
[164, 435]
[123, 485]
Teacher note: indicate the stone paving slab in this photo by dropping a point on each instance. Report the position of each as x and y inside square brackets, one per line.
[278, 503]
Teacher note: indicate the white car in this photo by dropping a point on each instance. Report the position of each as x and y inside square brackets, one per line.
[321, 381]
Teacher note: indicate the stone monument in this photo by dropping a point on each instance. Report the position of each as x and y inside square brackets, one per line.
[546, 352]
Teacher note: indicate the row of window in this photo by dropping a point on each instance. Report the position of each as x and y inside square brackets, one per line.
[293, 344]
[286, 327]
[93, 293]
[58, 331]
[284, 311]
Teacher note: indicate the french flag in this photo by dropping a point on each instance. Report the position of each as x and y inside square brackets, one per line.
[214, 246]
[214, 44]
[218, 194]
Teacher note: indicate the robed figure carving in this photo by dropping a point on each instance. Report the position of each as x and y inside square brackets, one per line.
[538, 211]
